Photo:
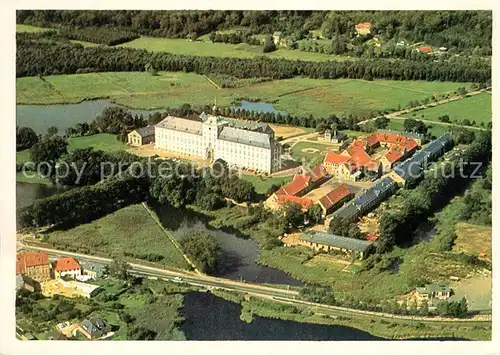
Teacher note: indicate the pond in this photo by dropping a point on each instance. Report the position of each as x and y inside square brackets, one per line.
[41, 117]
[208, 317]
[239, 254]
[259, 106]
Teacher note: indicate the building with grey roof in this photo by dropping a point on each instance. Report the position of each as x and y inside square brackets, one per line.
[414, 167]
[335, 243]
[367, 200]
[240, 143]
[95, 327]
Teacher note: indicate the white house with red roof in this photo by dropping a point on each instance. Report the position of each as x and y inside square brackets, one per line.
[67, 266]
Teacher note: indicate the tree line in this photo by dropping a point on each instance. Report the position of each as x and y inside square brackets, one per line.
[109, 36]
[36, 57]
[465, 30]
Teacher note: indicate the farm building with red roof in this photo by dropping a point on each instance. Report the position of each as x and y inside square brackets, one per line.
[34, 264]
[68, 267]
[335, 199]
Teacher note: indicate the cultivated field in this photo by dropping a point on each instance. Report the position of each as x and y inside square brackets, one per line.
[207, 48]
[298, 96]
[128, 230]
[475, 108]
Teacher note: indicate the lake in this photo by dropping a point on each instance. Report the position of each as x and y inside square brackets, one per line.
[259, 106]
[239, 254]
[63, 116]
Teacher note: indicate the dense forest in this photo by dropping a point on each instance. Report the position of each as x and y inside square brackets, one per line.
[49, 57]
[99, 35]
[464, 30]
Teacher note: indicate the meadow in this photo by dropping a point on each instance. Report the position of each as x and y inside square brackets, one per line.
[474, 108]
[207, 48]
[298, 96]
[128, 232]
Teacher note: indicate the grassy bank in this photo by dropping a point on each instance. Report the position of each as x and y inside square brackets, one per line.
[129, 232]
[298, 96]
[378, 326]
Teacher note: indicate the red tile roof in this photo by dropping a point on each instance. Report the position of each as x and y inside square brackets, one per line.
[30, 259]
[358, 156]
[319, 172]
[411, 144]
[364, 25]
[372, 140]
[425, 49]
[393, 155]
[335, 196]
[299, 183]
[67, 264]
[305, 203]
[335, 158]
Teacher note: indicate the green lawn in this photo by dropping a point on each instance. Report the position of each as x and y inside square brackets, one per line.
[475, 108]
[263, 184]
[206, 48]
[311, 157]
[298, 96]
[130, 229]
[103, 141]
[28, 28]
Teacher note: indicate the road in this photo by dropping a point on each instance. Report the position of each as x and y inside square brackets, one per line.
[171, 274]
[277, 294]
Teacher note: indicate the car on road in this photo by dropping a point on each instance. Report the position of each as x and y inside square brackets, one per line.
[177, 279]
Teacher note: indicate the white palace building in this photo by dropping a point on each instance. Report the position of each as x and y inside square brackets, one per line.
[242, 144]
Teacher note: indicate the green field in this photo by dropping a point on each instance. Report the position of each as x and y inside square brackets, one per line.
[130, 229]
[28, 28]
[475, 108]
[434, 129]
[103, 141]
[298, 96]
[207, 48]
[262, 184]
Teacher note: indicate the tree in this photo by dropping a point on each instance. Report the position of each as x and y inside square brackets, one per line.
[381, 122]
[202, 248]
[292, 213]
[52, 131]
[339, 45]
[46, 153]
[269, 45]
[119, 269]
[25, 138]
[315, 213]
